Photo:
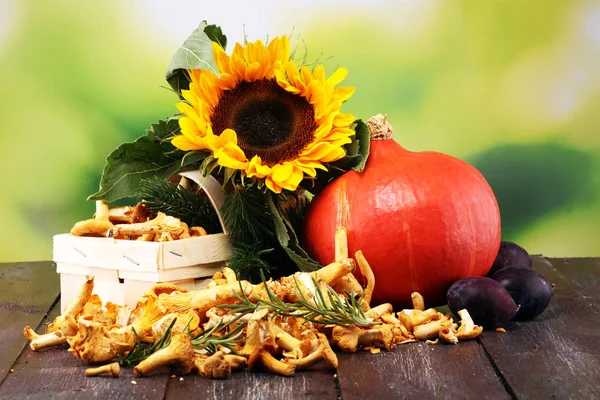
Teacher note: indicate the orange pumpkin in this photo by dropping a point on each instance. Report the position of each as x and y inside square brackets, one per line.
[422, 219]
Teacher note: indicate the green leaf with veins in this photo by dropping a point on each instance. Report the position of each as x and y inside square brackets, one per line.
[148, 156]
[195, 53]
[215, 34]
[288, 240]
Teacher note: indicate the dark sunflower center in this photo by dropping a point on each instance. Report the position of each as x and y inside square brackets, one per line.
[270, 122]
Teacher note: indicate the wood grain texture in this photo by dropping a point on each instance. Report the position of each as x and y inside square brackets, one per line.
[420, 371]
[318, 383]
[556, 355]
[584, 274]
[56, 373]
[27, 291]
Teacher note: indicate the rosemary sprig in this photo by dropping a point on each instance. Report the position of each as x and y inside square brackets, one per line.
[141, 351]
[210, 340]
[327, 306]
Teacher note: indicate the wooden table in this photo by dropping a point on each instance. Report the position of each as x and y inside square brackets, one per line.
[556, 355]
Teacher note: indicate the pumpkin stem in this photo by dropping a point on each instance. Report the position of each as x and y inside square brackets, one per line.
[379, 127]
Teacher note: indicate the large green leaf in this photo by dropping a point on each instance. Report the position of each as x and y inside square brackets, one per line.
[288, 240]
[215, 34]
[148, 156]
[195, 53]
[357, 153]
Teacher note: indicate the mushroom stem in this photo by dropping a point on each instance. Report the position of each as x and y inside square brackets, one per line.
[468, 329]
[448, 336]
[261, 357]
[101, 210]
[309, 360]
[431, 329]
[332, 273]
[39, 342]
[113, 369]
[380, 310]
[341, 244]
[202, 300]
[236, 362]
[367, 272]
[286, 341]
[418, 301]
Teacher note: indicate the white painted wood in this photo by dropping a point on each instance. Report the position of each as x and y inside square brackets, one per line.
[70, 284]
[174, 274]
[201, 283]
[213, 191]
[133, 255]
[108, 275]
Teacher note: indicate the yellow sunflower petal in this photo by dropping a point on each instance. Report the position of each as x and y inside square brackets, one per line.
[183, 143]
[343, 93]
[221, 58]
[338, 76]
[272, 185]
[344, 120]
[231, 156]
[323, 151]
[281, 172]
[228, 136]
[319, 73]
[256, 169]
[279, 48]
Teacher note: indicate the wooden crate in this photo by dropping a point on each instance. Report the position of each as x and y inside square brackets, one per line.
[124, 269]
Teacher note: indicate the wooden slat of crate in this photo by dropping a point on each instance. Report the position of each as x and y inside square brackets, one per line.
[132, 255]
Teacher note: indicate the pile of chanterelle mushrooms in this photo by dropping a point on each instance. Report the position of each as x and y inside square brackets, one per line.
[279, 325]
[134, 223]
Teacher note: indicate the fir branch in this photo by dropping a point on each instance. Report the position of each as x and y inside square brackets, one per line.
[176, 201]
[248, 263]
[247, 218]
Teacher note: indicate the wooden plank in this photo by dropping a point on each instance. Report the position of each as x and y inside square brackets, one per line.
[584, 274]
[556, 355]
[420, 371]
[56, 373]
[27, 291]
[318, 383]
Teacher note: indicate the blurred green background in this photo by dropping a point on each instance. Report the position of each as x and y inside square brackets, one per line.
[511, 86]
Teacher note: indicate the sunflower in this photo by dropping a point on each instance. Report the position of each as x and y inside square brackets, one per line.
[265, 116]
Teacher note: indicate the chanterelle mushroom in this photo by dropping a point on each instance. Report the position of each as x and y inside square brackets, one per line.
[54, 333]
[346, 337]
[468, 329]
[179, 353]
[216, 366]
[262, 357]
[95, 343]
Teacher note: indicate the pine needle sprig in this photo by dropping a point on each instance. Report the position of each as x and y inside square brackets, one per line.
[140, 351]
[246, 216]
[176, 201]
[249, 263]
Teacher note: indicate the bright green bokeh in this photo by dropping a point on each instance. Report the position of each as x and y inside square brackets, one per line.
[510, 86]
